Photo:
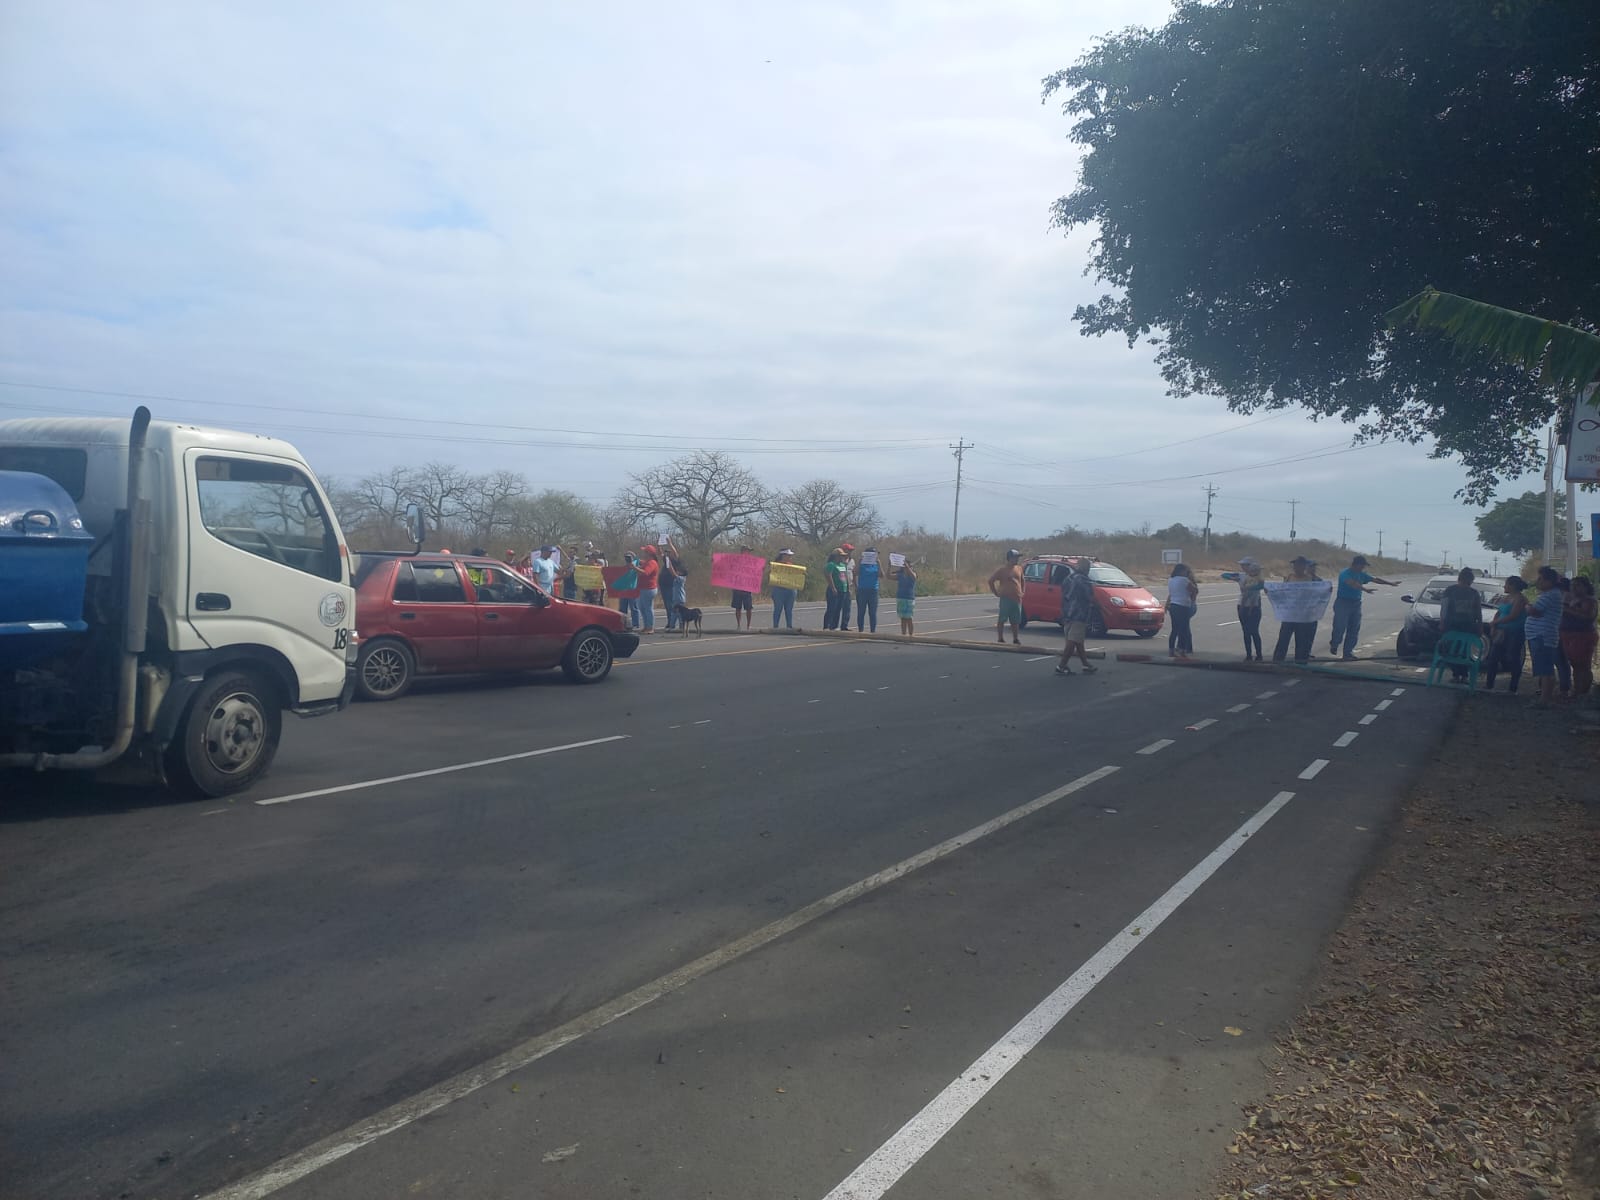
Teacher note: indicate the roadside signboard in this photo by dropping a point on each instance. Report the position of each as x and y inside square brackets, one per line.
[1171, 557]
[1583, 448]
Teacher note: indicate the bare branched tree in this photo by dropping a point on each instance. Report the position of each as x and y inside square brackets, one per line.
[492, 504]
[445, 492]
[706, 494]
[822, 512]
[552, 517]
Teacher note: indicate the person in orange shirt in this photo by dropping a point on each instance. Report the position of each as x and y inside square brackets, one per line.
[649, 568]
[1006, 583]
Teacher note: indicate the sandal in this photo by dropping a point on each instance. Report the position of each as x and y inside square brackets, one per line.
[1087, 669]
[1063, 670]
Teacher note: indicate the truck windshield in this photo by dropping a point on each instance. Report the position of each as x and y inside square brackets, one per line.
[267, 509]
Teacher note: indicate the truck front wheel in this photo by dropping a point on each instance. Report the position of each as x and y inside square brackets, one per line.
[228, 738]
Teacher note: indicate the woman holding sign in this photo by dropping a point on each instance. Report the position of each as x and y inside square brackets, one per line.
[867, 590]
[782, 597]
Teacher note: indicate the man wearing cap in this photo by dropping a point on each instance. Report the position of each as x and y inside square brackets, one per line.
[783, 597]
[837, 572]
[1251, 585]
[1006, 584]
[1301, 570]
[543, 569]
[1353, 582]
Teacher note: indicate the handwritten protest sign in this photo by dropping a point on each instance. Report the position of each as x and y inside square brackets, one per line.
[869, 558]
[621, 582]
[897, 560]
[787, 575]
[1300, 601]
[590, 579]
[741, 572]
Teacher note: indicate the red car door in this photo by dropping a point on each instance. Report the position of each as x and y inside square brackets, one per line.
[1041, 591]
[432, 610]
[519, 628]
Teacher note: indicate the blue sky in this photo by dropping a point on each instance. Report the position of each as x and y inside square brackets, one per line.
[815, 235]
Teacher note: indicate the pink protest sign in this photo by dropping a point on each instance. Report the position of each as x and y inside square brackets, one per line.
[740, 572]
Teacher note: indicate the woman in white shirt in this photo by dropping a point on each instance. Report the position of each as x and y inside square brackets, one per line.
[1181, 608]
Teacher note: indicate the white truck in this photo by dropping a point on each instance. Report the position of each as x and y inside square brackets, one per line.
[215, 595]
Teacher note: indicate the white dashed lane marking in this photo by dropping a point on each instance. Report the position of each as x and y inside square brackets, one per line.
[1382, 705]
[1314, 769]
[1198, 725]
[1156, 747]
[1238, 708]
[1344, 739]
[1266, 695]
[1369, 718]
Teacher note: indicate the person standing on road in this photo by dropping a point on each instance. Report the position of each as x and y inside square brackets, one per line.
[1347, 595]
[1077, 605]
[1006, 585]
[1301, 570]
[867, 578]
[783, 597]
[1578, 634]
[837, 575]
[1507, 635]
[649, 568]
[669, 582]
[905, 598]
[1544, 634]
[1461, 611]
[543, 568]
[743, 602]
[1182, 604]
[1251, 587]
[591, 595]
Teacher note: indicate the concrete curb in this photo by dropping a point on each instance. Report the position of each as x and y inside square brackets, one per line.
[1268, 668]
[919, 640]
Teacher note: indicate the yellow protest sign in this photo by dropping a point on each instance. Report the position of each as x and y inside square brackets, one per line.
[589, 578]
[786, 575]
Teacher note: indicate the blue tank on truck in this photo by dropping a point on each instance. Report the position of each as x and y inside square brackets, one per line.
[44, 563]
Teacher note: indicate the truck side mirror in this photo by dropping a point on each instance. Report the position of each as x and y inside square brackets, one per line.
[416, 527]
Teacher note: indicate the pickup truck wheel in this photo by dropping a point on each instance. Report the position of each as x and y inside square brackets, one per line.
[228, 737]
[588, 657]
[385, 670]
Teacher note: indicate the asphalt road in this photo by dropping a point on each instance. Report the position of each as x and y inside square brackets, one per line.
[731, 951]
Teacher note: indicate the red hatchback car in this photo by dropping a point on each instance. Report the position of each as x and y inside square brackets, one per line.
[447, 614]
[1119, 602]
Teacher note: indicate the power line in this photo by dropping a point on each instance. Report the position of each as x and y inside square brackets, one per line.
[881, 444]
[1023, 461]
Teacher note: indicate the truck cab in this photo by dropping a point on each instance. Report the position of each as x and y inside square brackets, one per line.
[216, 597]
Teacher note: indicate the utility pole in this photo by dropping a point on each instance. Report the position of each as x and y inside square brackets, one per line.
[960, 448]
[1293, 505]
[1344, 533]
[1550, 497]
[1380, 543]
[1211, 491]
[1495, 570]
[1408, 550]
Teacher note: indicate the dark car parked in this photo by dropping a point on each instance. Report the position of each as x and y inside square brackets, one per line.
[448, 614]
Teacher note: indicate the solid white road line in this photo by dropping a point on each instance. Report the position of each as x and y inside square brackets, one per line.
[1237, 708]
[1156, 747]
[1382, 705]
[1198, 725]
[467, 766]
[1369, 718]
[889, 1162]
[1344, 739]
[1314, 769]
[1266, 695]
[331, 1149]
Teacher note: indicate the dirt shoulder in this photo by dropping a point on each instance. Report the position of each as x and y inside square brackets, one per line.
[1451, 1046]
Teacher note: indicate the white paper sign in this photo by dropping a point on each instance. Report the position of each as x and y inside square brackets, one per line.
[897, 560]
[1306, 601]
[1583, 450]
[661, 539]
[869, 558]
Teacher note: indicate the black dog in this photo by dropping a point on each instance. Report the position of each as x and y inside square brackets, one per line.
[685, 615]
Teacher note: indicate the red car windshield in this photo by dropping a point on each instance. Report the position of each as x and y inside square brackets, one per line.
[1110, 577]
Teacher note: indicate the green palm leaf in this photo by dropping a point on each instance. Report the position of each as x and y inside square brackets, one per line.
[1567, 358]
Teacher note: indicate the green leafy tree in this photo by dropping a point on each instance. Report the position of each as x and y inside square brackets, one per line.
[1266, 179]
[1516, 526]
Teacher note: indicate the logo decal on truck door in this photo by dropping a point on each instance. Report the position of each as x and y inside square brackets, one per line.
[332, 611]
